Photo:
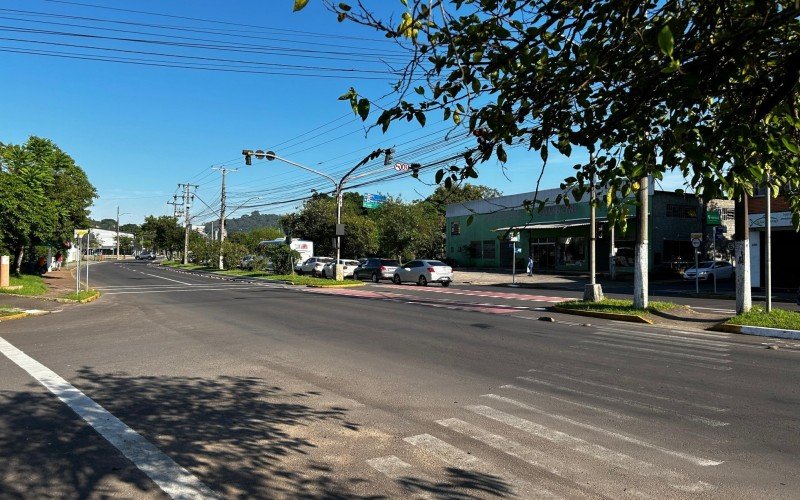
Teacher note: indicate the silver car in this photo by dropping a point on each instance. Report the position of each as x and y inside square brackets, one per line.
[720, 270]
[348, 266]
[423, 272]
[313, 265]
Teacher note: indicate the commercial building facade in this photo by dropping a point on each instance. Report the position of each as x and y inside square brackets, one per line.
[785, 242]
[558, 236]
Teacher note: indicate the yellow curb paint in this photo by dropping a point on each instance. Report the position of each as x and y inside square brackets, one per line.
[14, 316]
[604, 315]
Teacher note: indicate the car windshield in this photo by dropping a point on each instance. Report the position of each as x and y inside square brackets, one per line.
[702, 265]
[389, 262]
[324, 259]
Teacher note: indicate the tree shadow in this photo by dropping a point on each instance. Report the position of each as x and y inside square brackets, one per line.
[241, 436]
[458, 485]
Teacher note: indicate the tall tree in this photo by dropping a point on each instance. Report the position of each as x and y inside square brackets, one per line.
[163, 233]
[709, 89]
[45, 196]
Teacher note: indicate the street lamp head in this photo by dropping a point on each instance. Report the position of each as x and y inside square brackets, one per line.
[270, 155]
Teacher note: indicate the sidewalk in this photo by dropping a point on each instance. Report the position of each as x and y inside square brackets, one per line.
[59, 284]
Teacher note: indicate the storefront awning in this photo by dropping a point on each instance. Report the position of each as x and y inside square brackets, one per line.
[551, 225]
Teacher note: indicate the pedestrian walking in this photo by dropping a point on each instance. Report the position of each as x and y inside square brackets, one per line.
[59, 260]
[530, 265]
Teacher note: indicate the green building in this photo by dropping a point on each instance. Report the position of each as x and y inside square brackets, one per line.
[558, 236]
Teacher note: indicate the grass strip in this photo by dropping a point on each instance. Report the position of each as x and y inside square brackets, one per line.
[8, 311]
[777, 318]
[616, 306]
[82, 295]
[32, 284]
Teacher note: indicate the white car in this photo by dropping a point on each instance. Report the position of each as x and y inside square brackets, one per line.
[719, 269]
[348, 266]
[313, 266]
[423, 272]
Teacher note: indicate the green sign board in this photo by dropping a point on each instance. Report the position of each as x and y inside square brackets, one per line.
[713, 218]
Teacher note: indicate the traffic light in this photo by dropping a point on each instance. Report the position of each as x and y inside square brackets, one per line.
[248, 154]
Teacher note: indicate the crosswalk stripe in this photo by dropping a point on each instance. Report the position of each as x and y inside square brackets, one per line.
[401, 472]
[630, 391]
[661, 352]
[664, 336]
[582, 446]
[661, 347]
[719, 368]
[656, 339]
[550, 463]
[703, 462]
[604, 372]
[636, 404]
[459, 458]
[620, 416]
[692, 334]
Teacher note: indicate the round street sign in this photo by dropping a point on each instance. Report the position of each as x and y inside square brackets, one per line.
[696, 242]
[402, 166]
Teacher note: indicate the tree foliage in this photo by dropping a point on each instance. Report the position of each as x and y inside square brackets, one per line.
[251, 239]
[162, 234]
[709, 89]
[45, 196]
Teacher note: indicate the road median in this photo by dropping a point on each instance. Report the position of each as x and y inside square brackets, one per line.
[613, 309]
[778, 323]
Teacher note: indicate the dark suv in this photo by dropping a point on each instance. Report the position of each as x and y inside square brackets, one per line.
[376, 269]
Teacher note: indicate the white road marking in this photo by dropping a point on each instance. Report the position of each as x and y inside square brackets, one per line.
[173, 479]
[635, 404]
[597, 409]
[660, 352]
[693, 333]
[630, 391]
[463, 460]
[582, 446]
[661, 345]
[401, 472]
[593, 351]
[703, 462]
[194, 290]
[664, 337]
[715, 309]
[550, 463]
[168, 279]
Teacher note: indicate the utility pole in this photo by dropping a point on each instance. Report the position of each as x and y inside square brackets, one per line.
[117, 232]
[224, 172]
[640, 281]
[188, 198]
[741, 243]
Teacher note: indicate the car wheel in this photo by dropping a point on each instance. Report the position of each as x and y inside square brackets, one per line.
[396, 279]
[445, 284]
[422, 281]
[375, 278]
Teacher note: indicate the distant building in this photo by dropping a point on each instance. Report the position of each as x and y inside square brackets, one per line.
[558, 236]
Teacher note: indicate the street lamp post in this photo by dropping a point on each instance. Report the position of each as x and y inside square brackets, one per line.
[338, 187]
[118, 215]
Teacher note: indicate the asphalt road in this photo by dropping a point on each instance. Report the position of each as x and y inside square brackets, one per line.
[181, 385]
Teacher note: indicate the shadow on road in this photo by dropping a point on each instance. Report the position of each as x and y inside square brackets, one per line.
[239, 435]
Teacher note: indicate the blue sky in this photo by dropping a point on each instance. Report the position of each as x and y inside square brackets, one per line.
[140, 130]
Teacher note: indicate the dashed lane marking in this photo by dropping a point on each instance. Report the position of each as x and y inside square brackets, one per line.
[173, 479]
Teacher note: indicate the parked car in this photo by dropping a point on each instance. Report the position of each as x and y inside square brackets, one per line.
[376, 269]
[146, 256]
[348, 266]
[313, 265]
[720, 269]
[423, 272]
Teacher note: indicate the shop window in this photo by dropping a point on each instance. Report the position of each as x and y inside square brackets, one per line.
[678, 250]
[455, 228]
[475, 249]
[572, 251]
[682, 211]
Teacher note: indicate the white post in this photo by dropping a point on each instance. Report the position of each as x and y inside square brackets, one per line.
[640, 278]
[88, 247]
[514, 262]
[768, 249]
[338, 266]
[744, 299]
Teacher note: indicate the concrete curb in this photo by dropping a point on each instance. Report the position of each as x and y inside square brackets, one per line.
[760, 331]
[604, 315]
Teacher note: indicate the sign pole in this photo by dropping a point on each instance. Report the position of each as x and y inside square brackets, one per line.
[514, 262]
[78, 268]
[696, 272]
[88, 245]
